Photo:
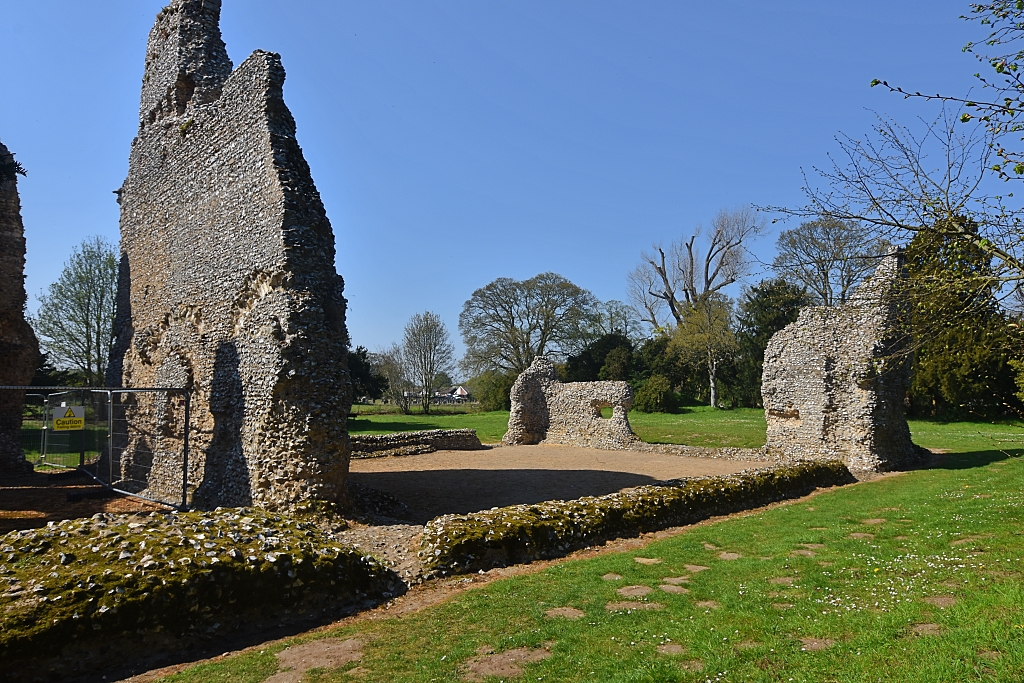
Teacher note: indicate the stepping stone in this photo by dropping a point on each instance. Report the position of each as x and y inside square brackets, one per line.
[707, 604]
[813, 546]
[632, 606]
[781, 605]
[692, 665]
[710, 546]
[669, 588]
[861, 534]
[671, 649]
[676, 580]
[729, 556]
[874, 521]
[804, 553]
[647, 560]
[565, 612]
[782, 580]
[612, 577]
[941, 601]
[634, 591]
[814, 644]
[927, 629]
[508, 664]
[694, 568]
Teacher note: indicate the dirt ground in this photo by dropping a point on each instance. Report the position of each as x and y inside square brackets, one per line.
[32, 500]
[467, 481]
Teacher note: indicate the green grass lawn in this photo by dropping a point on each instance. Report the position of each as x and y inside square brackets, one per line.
[490, 427]
[917, 577]
[697, 426]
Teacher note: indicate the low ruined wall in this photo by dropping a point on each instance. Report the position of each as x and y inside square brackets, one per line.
[414, 443]
[545, 410]
[523, 533]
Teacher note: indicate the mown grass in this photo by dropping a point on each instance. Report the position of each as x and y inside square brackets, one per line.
[490, 427]
[696, 426]
[805, 570]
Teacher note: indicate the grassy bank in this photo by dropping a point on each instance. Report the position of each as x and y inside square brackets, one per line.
[915, 577]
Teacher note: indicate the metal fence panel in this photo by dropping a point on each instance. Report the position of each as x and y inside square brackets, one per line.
[134, 441]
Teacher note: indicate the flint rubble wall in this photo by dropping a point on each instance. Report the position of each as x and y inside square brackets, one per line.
[835, 380]
[18, 346]
[545, 410]
[413, 443]
[227, 282]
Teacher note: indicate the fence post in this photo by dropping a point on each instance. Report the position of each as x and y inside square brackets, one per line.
[110, 436]
[81, 439]
[184, 457]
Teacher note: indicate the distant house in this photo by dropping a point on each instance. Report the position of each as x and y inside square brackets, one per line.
[455, 394]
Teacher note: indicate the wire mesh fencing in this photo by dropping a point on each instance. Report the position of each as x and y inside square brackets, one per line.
[134, 441]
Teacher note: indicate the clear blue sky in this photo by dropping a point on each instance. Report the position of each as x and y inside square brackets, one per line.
[457, 142]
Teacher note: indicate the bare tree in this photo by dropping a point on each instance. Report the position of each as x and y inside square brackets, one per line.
[827, 256]
[391, 364]
[508, 323]
[693, 270]
[428, 351]
[900, 183]
[76, 315]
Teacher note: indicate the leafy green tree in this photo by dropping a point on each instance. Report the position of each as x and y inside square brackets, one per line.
[618, 365]
[586, 366]
[965, 344]
[492, 389]
[763, 310]
[508, 323]
[655, 396]
[706, 339]
[366, 381]
[74, 321]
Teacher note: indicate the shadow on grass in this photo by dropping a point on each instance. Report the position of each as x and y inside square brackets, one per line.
[970, 459]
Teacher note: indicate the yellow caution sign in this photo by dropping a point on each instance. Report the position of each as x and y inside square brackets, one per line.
[69, 418]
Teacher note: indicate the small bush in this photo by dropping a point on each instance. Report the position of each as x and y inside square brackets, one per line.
[655, 396]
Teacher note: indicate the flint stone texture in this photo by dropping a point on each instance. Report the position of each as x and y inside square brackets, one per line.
[835, 380]
[227, 282]
[414, 443]
[19, 349]
[545, 410]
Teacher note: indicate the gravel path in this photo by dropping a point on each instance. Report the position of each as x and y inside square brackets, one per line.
[445, 482]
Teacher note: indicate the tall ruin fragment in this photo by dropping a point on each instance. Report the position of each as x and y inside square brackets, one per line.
[227, 283]
[835, 380]
[19, 348]
[545, 410]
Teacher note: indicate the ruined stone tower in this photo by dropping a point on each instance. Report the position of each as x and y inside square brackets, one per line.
[19, 349]
[227, 281]
[835, 380]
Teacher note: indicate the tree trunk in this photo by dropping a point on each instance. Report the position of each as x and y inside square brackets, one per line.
[712, 371]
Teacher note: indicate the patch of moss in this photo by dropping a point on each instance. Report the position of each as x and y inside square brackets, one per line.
[177, 574]
[522, 533]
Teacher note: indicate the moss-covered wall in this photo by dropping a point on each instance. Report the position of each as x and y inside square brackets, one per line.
[522, 533]
[80, 582]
